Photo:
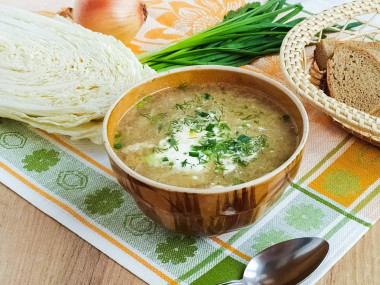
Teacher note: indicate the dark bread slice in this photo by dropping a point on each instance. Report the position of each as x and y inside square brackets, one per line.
[376, 111]
[353, 76]
[324, 51]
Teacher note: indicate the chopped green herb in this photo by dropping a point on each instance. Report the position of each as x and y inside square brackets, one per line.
[240, 161]
[210, 127]
[219, 166]
[158, 149]
[249, 117]
[202, 114]
[196, 147]
[171, 164]
[173, 143]
[160, 127]
[165, 159]
[117, 135]
[143, 102]
[210, 134]
[237, 181]
[194, 154]
[182, 86]
[207, 96]
[155, 118]
[184, 163]
[117, 146]
[223, 126]
[260, 142]
[207, 152]
[180, 106]
[243, 138]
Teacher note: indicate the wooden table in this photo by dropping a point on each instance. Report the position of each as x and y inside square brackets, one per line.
[35, 249]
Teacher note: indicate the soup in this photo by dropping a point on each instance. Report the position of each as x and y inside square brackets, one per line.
[205, 136]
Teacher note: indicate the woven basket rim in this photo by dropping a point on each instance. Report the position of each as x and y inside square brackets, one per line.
[292, 56]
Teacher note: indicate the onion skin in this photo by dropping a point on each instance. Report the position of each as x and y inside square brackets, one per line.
[119, 18]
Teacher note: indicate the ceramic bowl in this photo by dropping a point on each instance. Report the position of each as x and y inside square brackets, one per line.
[206, 211]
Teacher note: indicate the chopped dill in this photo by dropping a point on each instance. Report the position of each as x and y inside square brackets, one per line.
[173, 143]
[286, 117]
[143, 102]
[154, 118]
[237, 181]
[249, 117]
[202, 114]
[207, 96]
[184, 163]
[117, 146]
[182, 86]
[158, 149]
[210, 127]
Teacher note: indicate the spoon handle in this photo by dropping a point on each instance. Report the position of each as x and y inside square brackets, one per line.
[233, 282]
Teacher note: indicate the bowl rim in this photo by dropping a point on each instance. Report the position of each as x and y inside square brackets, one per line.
[215, 190]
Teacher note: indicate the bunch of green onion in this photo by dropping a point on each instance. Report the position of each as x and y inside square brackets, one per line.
[244, 35]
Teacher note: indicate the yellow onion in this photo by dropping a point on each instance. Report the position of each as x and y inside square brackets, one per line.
[119, 18]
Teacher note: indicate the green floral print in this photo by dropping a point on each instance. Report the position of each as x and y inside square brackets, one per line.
[41, 160]
[304, 217]
[342, 183]
[266, 239]
[104, 201]
[176, 249]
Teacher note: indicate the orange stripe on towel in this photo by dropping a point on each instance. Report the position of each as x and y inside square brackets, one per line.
[230, 248]
[87, 223]
[79, 153]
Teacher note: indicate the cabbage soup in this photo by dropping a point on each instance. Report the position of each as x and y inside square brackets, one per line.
[205, 136]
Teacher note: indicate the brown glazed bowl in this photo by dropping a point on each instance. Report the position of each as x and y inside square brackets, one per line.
[206, 211]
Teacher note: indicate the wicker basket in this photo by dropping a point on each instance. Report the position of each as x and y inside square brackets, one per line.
[297, 61]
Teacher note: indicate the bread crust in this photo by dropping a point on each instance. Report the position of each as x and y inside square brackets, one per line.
[353, 75]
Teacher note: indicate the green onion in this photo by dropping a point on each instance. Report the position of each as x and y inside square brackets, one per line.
[243, 138]
[210, 127]
[244, 35]
[117, 146]
[194, 154]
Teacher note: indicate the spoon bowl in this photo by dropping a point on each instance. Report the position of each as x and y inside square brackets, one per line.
[285, 263]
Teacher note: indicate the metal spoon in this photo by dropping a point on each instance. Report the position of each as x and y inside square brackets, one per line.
[285, 263]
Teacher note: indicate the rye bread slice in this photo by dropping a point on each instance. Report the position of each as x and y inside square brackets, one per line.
[324, 51]
[376, 111]
[353, 76]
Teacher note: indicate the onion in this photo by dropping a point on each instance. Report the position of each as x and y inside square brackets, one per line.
[119, 18]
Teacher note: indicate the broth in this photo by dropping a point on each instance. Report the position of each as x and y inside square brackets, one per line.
[205, 136]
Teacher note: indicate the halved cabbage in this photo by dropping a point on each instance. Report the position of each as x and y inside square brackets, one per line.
[60, 77]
